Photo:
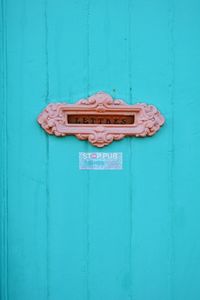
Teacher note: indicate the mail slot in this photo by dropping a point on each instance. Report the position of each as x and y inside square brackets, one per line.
[100, 119]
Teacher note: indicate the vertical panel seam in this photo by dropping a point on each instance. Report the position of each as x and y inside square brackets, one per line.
[4, 158]
[131, 153]
[88, 48]
[88, 174]
[171, 143]
[47, 152]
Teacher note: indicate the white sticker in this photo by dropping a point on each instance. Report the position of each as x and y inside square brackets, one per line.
[100, 160]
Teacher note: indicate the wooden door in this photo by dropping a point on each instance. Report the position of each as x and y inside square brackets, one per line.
[69, 234]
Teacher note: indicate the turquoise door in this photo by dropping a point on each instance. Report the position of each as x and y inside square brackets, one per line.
[69, 234]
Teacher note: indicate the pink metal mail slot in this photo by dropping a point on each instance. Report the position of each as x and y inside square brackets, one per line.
[100, 119]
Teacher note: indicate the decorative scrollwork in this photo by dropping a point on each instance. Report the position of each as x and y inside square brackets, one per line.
[54, 119]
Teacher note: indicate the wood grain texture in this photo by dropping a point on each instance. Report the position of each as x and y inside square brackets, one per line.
[3, 159]
[68, 188]
[99, 235]
[186, 163]
[151, 74]
[109, 205]
[26, 197]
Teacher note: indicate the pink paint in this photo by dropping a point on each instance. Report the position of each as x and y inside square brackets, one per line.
[147, 119]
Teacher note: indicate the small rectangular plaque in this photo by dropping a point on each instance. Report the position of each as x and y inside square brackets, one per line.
[100, 160]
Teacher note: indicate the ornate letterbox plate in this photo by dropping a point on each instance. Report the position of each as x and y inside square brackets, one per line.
[100, 119]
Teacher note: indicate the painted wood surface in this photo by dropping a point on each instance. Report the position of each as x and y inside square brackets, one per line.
[111, 235]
